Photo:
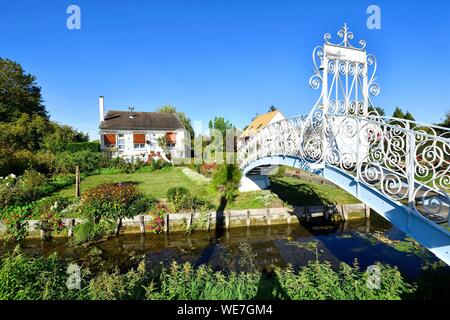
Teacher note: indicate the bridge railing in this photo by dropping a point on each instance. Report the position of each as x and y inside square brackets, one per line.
[406, 161]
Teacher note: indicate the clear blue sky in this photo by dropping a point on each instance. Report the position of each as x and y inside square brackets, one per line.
[225, 58]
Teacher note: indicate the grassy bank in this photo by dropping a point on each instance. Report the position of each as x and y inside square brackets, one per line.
[26, 278]
[297, 192]
[288, 190]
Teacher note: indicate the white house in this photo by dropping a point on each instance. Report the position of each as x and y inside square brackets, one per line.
[137, 135]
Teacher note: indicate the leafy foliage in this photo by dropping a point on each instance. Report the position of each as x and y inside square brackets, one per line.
[227, 177]
[15, 219]
[181, 115]
[157, 213]
[19, 92]
[109, 201]
[28, 278]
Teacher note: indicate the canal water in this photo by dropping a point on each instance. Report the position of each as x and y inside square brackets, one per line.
[249, 249]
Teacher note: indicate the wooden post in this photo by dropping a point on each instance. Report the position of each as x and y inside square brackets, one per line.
[189, 223]
[166, 223]
[77, 182]
[248, 221]
[141, 224]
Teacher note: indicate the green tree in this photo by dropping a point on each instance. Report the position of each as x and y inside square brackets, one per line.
[398, 113]
[409, 116]
[19, 93]
[219, 123]
[181, 115]
[378, 110]
[446, 122]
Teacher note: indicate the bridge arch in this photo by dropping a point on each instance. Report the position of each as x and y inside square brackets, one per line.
[398, 167]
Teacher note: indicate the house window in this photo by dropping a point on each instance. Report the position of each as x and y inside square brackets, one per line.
[139, 140]
[121, 142]
[109, 140]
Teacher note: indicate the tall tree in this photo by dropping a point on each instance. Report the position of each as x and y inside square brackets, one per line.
[19, 92]
[378, 110]
[221, 124]
[183, 117]
[398, 113]
[409, 116]
[446, 122]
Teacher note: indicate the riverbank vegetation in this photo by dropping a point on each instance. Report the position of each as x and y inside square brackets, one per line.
[44, 278]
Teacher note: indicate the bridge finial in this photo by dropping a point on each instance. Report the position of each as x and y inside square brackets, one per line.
[346, 36]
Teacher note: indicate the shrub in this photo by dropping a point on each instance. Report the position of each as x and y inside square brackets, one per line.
[90, 231]
[49, 211]
[27, 278]
[116, 286]
[82, 146]
[142, 204]
[208, 169]
[15, 219]
[181, 198]
[319, 281]
[87, 161]
[157, 213]
[183, 282]
[227, 177]
[109, 201]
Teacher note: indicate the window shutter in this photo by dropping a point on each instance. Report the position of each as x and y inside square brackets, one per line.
[139, 138]
[171, 137]
[109, 139]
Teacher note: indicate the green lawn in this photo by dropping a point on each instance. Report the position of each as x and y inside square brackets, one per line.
[155, 183]
[293, 191]
[298, 192]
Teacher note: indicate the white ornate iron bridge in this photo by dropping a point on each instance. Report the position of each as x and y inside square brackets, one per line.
[400, 168]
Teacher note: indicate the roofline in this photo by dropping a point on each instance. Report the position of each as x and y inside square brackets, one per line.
[140, 128]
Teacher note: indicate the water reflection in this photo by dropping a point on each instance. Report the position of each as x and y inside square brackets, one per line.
[243, 249]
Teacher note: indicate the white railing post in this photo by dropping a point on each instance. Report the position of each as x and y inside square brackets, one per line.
[410, 166]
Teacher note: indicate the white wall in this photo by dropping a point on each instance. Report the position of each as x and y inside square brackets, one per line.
[150, 135]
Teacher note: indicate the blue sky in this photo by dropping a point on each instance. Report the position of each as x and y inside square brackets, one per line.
[225, 58]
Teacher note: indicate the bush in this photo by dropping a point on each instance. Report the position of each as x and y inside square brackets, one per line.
[109, 201]
[30, 187]
[318, 281]
[87, 161]
[157, 213]
[142, 204]
[90, 231]
[208, 169]
[227, 177]
[15, 219]
[180, 197]
[40, 278]
[116, 286]
[49, 212]
[82, 146]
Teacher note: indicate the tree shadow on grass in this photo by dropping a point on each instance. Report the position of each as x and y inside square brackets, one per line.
[298, 194]
[269, 287]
